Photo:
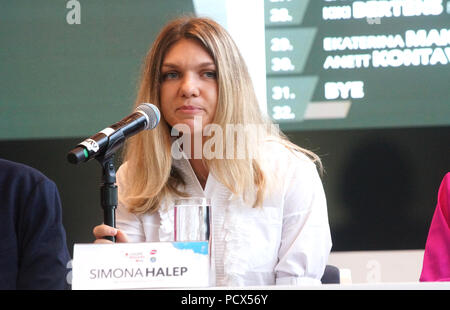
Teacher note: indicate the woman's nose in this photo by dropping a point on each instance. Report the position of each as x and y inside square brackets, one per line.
[189, 86]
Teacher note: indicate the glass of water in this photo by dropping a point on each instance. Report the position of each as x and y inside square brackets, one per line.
[192, 219]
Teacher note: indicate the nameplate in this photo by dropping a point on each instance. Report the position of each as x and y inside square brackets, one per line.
[140, 265]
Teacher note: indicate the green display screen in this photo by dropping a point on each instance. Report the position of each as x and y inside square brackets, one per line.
[71, 68]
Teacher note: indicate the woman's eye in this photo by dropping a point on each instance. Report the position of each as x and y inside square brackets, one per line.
[170, 75]
[210, 74]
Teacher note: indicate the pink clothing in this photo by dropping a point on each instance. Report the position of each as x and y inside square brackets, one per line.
[436, 261]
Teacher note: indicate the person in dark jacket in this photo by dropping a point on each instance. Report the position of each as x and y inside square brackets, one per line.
[33, 249]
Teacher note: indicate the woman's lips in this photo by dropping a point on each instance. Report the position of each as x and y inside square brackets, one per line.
[189, 109]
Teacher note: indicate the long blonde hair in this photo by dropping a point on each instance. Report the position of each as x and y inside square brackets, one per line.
[148, 155]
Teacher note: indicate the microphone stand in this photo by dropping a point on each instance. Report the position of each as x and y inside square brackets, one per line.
[108, 188]
[108, 192]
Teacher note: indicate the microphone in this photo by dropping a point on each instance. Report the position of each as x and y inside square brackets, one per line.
[146, 116]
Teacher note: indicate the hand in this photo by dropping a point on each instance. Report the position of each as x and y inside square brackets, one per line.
[103, 230]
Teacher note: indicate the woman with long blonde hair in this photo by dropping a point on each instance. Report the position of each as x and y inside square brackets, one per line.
[269, 216]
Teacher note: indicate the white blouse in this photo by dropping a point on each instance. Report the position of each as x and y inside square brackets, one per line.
[286, 242]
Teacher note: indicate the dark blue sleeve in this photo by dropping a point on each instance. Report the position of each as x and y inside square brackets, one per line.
[43, 253]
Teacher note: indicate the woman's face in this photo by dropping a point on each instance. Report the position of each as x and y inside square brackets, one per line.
[189, 85]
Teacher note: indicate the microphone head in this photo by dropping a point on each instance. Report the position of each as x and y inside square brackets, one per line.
[151, 112]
